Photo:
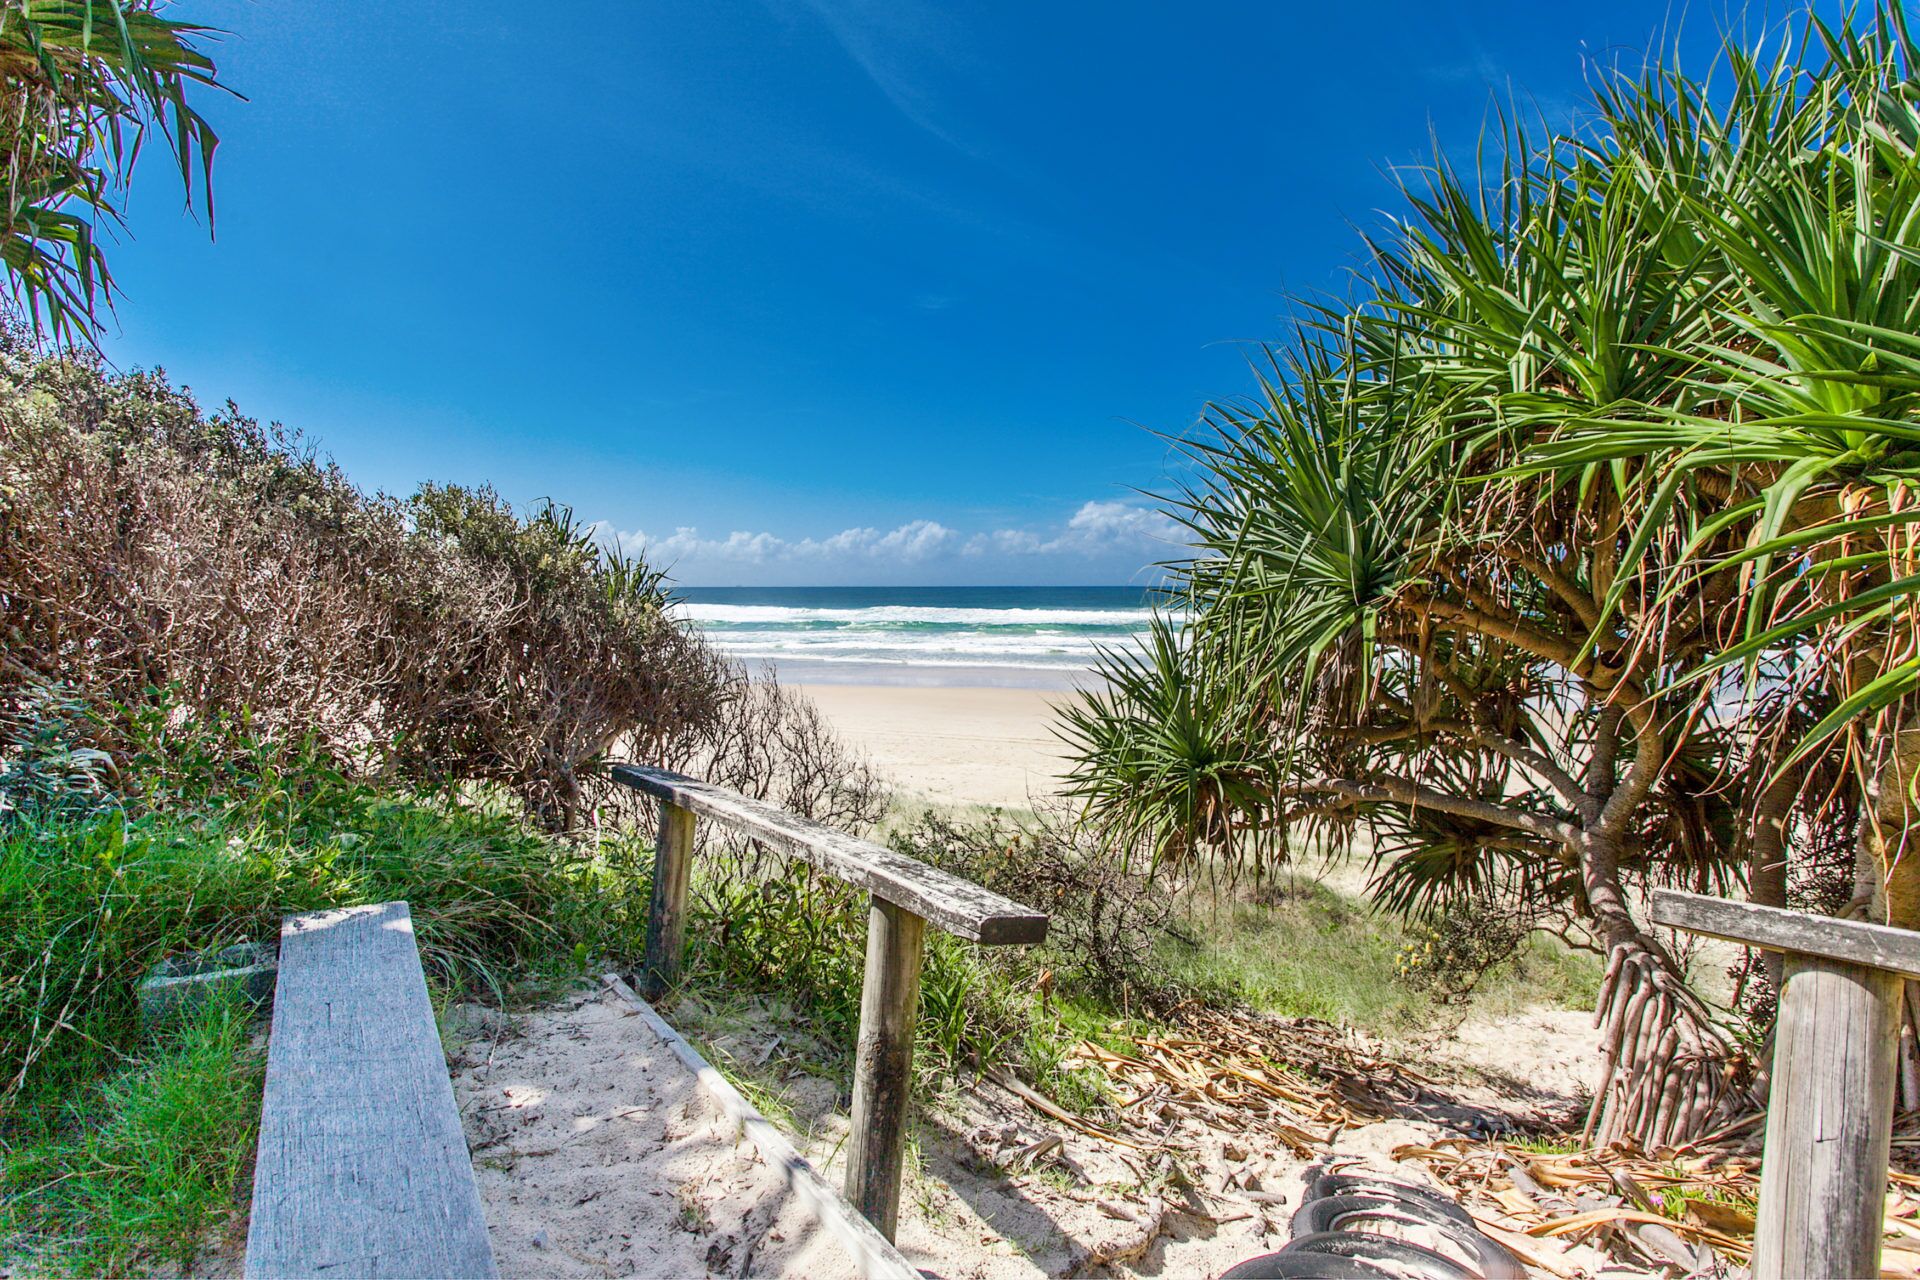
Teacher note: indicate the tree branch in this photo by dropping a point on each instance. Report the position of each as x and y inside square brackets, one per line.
[1400, 791]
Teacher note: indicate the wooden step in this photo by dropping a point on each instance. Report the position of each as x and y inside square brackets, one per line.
[363, 1169]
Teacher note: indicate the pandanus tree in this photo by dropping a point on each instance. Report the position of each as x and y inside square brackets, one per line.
[84, 86]
[1557, 562]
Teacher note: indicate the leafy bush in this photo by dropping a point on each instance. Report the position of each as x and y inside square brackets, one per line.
[1106, 919]
[46, 774]
[767, 923]
[151, 551]
[1449, 953]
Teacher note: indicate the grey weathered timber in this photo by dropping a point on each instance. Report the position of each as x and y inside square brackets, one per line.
[907, 895]
[181, 984]
[955, 905]
[362, 1168]
[872, 1253]
[883, 1064]
[667, 912]
[1877, 946]
[1823, 1175]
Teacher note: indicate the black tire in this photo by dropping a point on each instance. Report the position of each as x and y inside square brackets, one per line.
[1304, 1266]
[1348, 1214]
[1405, 1257]
[1323, 1185]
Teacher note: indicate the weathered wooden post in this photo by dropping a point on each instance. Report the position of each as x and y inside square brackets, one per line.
[1823, 1175]
[907, 895]
[667, 910]
[883, 1062]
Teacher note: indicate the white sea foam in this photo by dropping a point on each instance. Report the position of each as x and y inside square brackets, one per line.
[881, 615]
[919, 635]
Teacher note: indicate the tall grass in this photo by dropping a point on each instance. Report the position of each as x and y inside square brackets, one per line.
[121, 1152]
[802, 936]
[144, 1169]
[1306, 949]
[89, 906]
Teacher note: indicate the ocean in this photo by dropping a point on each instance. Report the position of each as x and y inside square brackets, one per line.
[1026, 637]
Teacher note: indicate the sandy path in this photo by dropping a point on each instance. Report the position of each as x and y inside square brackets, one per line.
[597, 1154]
[964, 746]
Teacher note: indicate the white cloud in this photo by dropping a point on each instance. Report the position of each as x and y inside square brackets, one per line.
[1122, 524]
[915, 540]
[1103, 537]
[1097, 528]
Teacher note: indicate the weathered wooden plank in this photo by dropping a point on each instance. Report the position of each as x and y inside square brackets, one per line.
[1775, 929]
[362, 1168]
[955, 905]
[1823, 1176]
[872, 1253]
[883, 1064]
[667, 912]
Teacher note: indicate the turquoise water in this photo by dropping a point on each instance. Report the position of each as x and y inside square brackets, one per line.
[1037, 636]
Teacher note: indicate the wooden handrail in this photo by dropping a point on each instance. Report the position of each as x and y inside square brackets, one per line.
[907, 895]
[1861, 942]
[958, 906]
[1823, 1169]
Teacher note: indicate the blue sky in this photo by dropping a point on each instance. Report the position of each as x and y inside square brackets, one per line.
[803, 291]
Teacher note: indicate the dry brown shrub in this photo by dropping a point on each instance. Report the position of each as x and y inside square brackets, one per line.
[154, 553]
[762, 739]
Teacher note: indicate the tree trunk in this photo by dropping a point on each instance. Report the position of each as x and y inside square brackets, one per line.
[1888, 860]
[1767, 854]
[1887, 873]
[1669, 1073]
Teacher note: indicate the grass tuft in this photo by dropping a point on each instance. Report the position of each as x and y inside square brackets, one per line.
[142, 1170]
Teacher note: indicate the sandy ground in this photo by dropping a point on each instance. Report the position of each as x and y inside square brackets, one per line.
[597, 1154]
[957, 746]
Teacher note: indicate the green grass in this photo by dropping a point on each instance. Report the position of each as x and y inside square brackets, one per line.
[1309, 950]
[90, 906]
[104, 1165]
[144, 1168]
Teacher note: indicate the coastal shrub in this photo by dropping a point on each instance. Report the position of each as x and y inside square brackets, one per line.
[769, 741]
[765, 924]
[801, 936]
[1450, 952]
[760, 915]
[46, 771]
[1106, 918]
[151, 551]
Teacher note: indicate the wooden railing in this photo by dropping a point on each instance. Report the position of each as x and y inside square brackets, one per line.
[907, 896]
[1823, 1169]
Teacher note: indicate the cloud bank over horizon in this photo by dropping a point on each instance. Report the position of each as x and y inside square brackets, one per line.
[1102, 541]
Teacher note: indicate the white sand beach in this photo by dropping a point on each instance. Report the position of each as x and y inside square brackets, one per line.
[987, 746]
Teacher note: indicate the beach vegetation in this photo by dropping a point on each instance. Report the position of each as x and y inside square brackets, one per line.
[1300, 946]
[90, 85]
[142, 1169]
[174, 567]
[1572, 557]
